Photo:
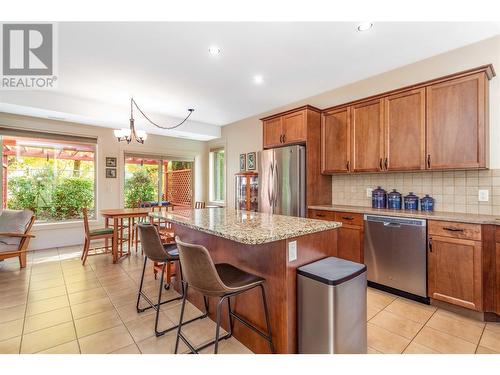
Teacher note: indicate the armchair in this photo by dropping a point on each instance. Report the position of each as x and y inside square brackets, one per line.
[15, 228]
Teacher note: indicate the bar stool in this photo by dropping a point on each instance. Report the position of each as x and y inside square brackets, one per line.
[155, 251]
[217, 280]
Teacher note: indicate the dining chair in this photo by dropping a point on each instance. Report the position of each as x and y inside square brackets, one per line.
[95, 234]
[223, 281]
[15, 234]
[140, 220]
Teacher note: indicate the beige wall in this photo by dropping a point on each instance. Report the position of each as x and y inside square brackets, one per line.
[246, 135]
[109, 191]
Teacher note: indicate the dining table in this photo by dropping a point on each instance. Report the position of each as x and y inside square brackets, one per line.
[116, 215]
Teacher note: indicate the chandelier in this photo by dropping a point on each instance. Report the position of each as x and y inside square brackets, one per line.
[127, 135]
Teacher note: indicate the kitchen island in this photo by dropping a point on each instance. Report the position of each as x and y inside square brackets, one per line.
[258, 243]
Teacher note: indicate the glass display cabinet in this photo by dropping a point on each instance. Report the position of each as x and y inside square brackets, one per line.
[247, 191]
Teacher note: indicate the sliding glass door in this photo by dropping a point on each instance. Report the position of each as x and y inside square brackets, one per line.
[157, 179]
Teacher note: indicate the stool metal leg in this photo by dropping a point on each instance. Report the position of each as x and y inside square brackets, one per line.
[140, 286]
[159, 302]
[231, 320]
[217, 324]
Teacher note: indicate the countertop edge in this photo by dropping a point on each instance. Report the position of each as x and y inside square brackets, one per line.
[334, 225]
[457, 217]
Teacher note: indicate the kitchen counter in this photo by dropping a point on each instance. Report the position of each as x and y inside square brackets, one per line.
[269, 246]
[445, 216]
[251, 228]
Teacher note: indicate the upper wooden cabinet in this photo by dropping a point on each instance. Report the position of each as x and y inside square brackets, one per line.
[295, 127]
[301, 126]
[288, 128]
[367, 136]
[273, 133]
[456, 123]
[404, 131]
[435, 125]
[336, 141]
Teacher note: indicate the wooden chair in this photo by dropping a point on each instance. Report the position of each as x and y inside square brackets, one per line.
[199, 205]
[135, 234]
[95, 234]
[15, 244]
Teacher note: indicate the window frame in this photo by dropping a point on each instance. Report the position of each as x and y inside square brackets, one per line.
[212, 178]
[22, 133]
[161, 158]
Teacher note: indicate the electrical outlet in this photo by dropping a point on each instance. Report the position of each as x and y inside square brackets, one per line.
[483, 196]
[292, 251]
[369, 192]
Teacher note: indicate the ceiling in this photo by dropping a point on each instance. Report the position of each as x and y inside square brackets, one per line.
[166, 67]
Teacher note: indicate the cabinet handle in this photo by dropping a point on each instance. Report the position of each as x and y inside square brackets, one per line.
[347, 218]
[284, 138]
[430, 245]
[428, 160]
[348, 166]
[380, 164]
[451, 229]
[386, 162]
[320, 215]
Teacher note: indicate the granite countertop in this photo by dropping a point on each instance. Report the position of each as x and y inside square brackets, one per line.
[436, 215]
[252, 228]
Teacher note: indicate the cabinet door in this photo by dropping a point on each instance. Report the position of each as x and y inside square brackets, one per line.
[405, 131]
[295, 127]
[335, 141]
[350, 243]
[272, 132]
[456, 123]
[367, 136]
[454, 267]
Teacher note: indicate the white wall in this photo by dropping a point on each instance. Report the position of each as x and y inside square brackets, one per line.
[246, 135]
[109, 191]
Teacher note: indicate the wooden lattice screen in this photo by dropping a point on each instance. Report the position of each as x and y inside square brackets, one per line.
[179, 186]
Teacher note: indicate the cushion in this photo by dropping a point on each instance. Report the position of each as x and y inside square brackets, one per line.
[99, 231]
[14, 221]
[4, 248]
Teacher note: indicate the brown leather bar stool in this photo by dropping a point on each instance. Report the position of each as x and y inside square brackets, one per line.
[217, 280]
[155, 251]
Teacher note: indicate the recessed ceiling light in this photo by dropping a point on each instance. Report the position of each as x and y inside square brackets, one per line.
[363, 26]
[258, 79]
[214, 50]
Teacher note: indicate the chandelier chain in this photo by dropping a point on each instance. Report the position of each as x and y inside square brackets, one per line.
[134, 103]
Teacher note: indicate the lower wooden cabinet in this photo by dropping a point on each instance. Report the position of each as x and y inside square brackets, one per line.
[350, 236]
[455, 265]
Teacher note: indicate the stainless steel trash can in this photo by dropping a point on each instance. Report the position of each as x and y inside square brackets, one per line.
[331, 297]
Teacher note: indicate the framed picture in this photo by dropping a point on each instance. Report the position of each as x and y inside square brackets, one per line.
[251, 161]
[242, 162]
[110, 172]
[110, 162]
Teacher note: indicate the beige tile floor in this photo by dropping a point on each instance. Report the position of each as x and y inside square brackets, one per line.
[56, 305]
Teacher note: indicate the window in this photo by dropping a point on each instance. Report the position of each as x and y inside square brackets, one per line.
[154, 178]
[217, 175]
[55, 178]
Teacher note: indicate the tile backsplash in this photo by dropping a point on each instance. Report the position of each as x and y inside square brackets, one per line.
[453, 191]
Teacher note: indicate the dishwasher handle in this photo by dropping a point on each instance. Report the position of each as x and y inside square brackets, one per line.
[393, 225]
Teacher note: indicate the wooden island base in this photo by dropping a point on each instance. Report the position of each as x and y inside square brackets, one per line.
[270, 261]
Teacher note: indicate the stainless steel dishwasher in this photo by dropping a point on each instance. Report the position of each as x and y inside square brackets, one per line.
[396, 254]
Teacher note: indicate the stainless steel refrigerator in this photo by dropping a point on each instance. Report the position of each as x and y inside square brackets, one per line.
[282, 187]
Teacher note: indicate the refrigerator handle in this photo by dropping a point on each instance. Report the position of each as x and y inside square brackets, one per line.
[275, 185]
[269, 190]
